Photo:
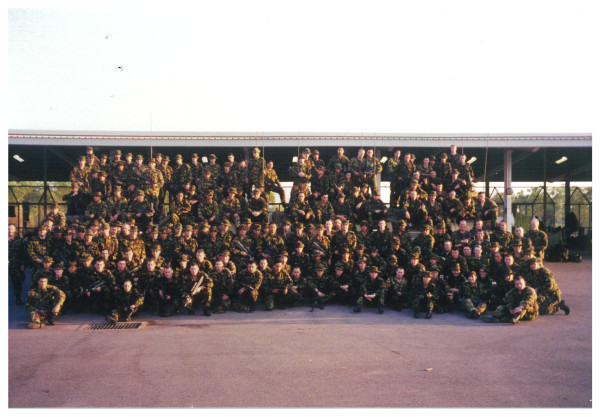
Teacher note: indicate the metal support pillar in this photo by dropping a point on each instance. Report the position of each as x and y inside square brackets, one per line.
[545, 190]
[508, 216]
[567, 199]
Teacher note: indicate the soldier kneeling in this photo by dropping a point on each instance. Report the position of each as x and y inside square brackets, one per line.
[125, 304]
[44, 303]
[424, 296]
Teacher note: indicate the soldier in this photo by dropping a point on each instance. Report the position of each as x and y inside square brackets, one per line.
[300, 210]
[256, 169]
[341, 159]
[271, 245]
[275, 287]
[223, 283]
[97, 287]
[182, 174]
[44, 303]
[141, 210]
[549, 296]
[392, 163]
[397, 290]
[258, 208]
[272, 183]
[502, 236]
[125, 303]
[486, 209]
[155, 183]
[424, 296]
[320, 288]
[539, 239]
[372, 291]
[472, 296]
[80, 175]
[246, 288]
[521, 304]
[170, 292]
[230, 206]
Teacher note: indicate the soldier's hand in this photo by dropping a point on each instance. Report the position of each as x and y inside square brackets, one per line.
[241, 290]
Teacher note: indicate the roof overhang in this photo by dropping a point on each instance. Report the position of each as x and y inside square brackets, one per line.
[276, 139]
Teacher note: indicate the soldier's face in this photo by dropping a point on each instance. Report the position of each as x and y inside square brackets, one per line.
[519, 284]
[42, 283]
[252, 267]
[127, 286]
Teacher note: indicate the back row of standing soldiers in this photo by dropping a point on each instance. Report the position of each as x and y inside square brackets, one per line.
[339, 243]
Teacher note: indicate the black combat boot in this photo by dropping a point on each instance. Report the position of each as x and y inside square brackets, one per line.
[379, 310]
[321, 304]
[415, 314]
[357, 308]
[51, 317]
[206, 312]
[19, 302]
[429, 314]
[564, 307]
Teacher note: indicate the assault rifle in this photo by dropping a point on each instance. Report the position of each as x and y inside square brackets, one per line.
[146, 211]
[318, 247]
[196, 287]
[239, 245]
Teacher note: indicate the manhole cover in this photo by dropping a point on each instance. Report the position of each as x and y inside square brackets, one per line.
[113, 326]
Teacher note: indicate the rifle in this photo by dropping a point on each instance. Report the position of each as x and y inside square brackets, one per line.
[239, 245]
[146, 211]
[292, 171]
[250, 287]
[318, 247]
[142, 177]
[93, 286]
[134, 269]
[63, 258]
[271, 253]
[196, 287]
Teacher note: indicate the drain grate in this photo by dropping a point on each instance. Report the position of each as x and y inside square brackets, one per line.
[112, 326]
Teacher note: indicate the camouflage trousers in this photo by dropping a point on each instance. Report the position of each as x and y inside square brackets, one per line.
[548, 302]
[218, 304]
[246, 301]
[119, 314]
[40, 316]
[423, 304]
[468, 305]
[272, 300]
[203, 298]
[377, 301]
[503, 313]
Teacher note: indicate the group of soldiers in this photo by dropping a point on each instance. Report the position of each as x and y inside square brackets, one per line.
[199, 236]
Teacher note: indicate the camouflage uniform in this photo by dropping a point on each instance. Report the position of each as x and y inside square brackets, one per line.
[223, 284]
[279, 281]
[250, 282]
[40, 304]
[121, 305]
[527, 299]
[472, 299]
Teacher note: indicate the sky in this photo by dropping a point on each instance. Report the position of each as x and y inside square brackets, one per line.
[311, 66]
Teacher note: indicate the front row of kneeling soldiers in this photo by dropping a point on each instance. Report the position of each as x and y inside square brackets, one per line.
[169, 290]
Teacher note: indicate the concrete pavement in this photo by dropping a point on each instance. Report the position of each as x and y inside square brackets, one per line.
[295, 358]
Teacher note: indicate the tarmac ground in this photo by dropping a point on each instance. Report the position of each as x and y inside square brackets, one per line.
[298, 358]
